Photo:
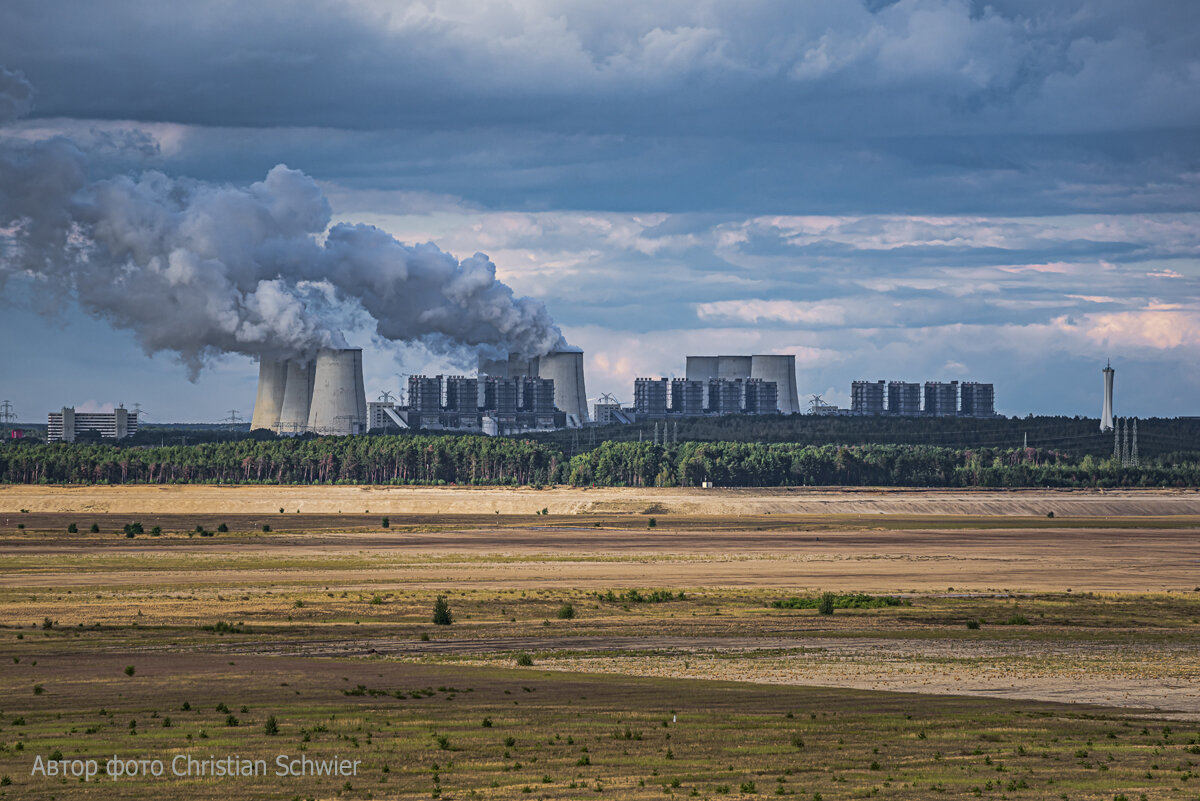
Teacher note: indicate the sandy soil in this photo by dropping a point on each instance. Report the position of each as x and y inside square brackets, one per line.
[567, 500]
[1039, 560]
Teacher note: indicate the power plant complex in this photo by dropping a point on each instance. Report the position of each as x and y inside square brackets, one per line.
[511, 395]
[326, 396]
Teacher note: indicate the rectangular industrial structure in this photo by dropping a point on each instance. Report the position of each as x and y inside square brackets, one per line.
[65, 425]
[941, 398]
[658, 397]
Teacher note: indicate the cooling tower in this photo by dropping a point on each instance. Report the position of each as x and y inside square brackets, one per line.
[566, 369]
[701, 368]
[272, 377]
[512, 367]
[339, 400]
[781, 370]
[297, 398]
[734, 367]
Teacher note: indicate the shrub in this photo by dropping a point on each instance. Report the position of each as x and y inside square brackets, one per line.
[1017, 620]
[566, 612]
[441, 612]
[130, 670]
[95, 529]
[72, 529]
[524, 660]
[47, 623]
[972, 624]
[826, 605]
[231, 721]
[386, 523]
[267, 528]
[38, 689]
[1049, 514]
[156, 531]
[651, 523]
[271, 727]
[487, 723]
[133, 528]
[223, 528]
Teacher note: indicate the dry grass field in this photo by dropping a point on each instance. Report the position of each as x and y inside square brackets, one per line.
[1023, 656]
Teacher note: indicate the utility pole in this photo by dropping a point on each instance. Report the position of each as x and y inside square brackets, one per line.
[1133, 456]
[7, 415]
[1116, 443]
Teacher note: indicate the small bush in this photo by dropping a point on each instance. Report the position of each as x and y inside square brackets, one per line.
[47, 623]
[1049, 514]
[524, 660]
[487, 723]
[72, 529]
[441, 612]
[38, 689]
[223, 528]
[271, 727]
[267, 528]
[156, 531]
[973, 624]
[130, 670]
[566, 612]
[385, 522]
[376, 600]
[651, 523]
[826, 605]
[95, 529]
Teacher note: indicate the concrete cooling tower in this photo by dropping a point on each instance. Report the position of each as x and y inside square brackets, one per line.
[272, 378]
[339, 400]
[297, 398]
[781, 370]
[734, 367]
[566, 369]
[701, 368]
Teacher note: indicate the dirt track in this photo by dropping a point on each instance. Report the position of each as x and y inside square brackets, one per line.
[568, 500]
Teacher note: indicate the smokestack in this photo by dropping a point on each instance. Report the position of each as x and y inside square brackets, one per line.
[272, 377]
[339, 400]
[781, 370]
[297, 398]
[1106, 415]
[566, 369]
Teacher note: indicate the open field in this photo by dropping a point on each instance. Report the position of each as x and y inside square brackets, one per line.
[252, 500]
[1079, 676]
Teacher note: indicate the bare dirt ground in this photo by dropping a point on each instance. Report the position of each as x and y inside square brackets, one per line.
[571, 500]
[731, 550]
[922, 560]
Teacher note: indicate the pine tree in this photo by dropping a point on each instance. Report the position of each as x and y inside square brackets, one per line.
[441, 612]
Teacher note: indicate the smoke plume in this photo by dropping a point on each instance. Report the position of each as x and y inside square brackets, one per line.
[200, 270]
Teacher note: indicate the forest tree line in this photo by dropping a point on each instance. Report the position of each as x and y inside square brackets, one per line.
[480, 460]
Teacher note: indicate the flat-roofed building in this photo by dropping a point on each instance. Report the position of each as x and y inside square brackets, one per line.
[65, 425]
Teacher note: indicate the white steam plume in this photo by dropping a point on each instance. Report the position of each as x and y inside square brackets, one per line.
[200, 269]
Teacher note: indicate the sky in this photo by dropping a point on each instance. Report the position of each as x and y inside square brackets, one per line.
[1006, 192]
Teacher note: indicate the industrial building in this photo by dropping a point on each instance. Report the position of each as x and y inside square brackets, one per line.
[687, 397]
[904, 398]
[66, 425]
[780, 370]
[324, 396]
[564, 368]
[650, 397]
[867, 397]
[942, 399]
[976, 400]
